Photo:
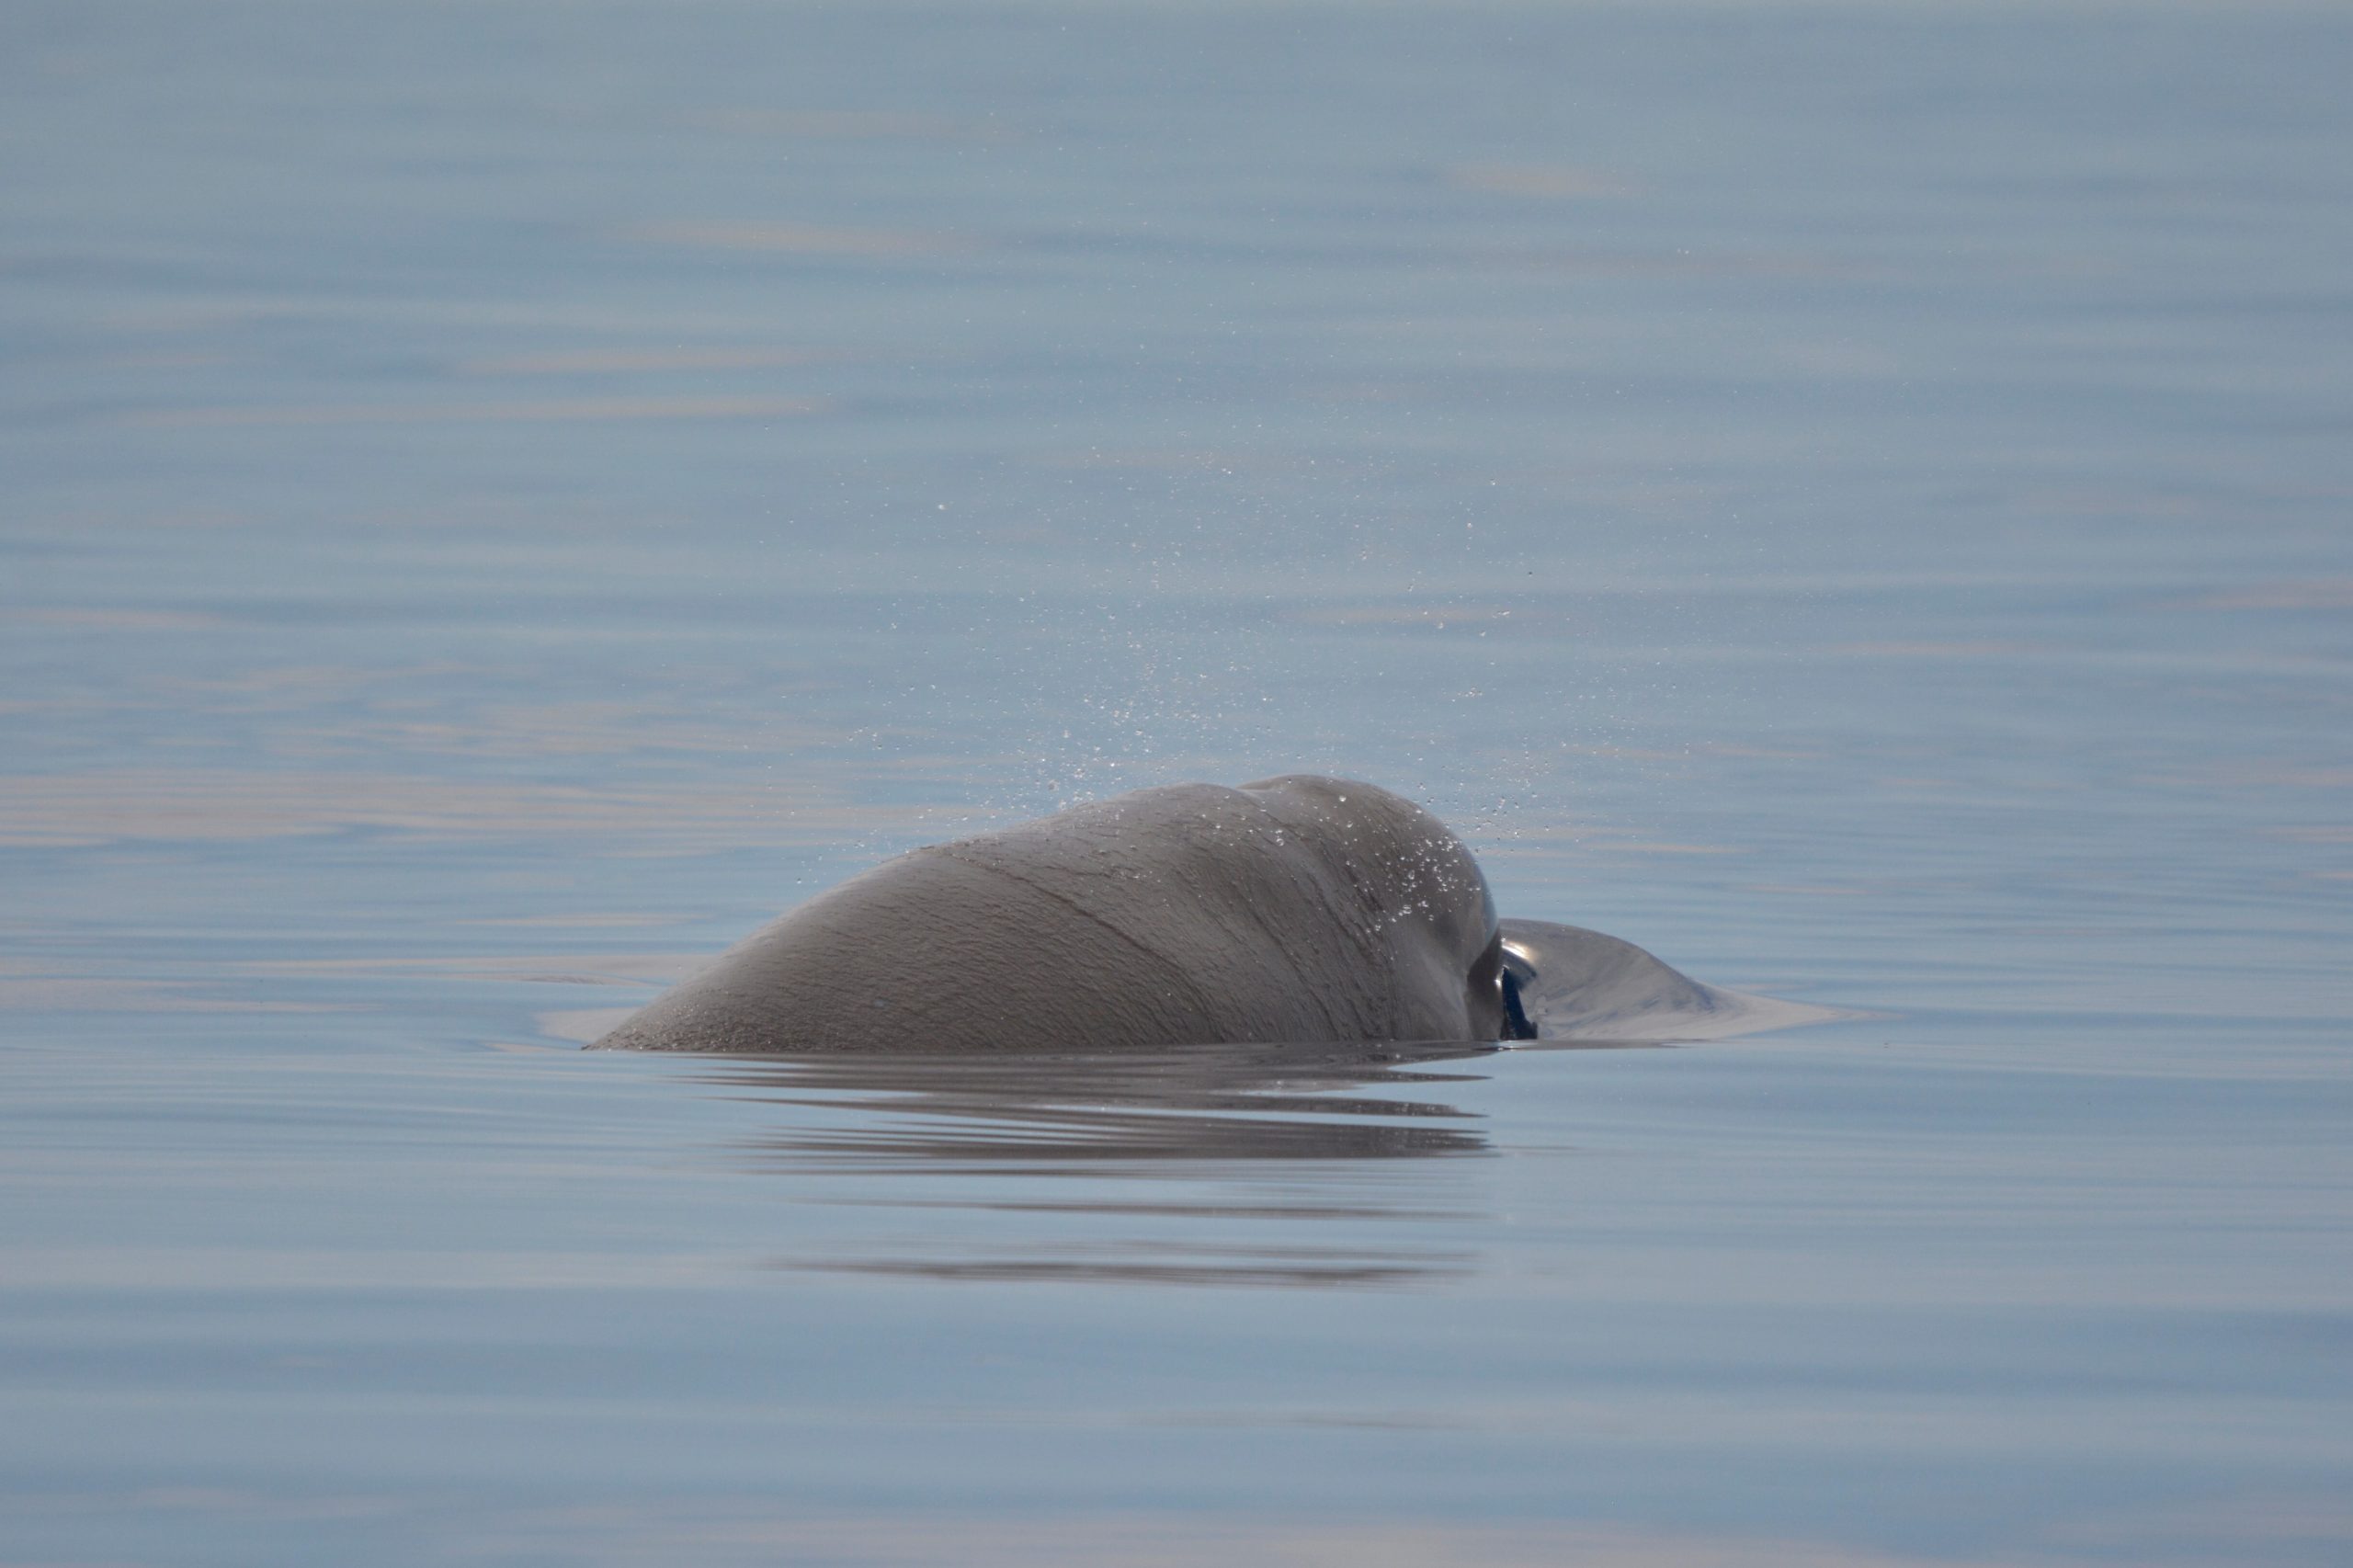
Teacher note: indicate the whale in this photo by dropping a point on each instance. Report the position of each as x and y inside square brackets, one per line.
[1302, 908]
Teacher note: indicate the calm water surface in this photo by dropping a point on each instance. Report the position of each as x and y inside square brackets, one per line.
[502, 499]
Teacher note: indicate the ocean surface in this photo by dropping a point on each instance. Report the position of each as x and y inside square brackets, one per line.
[498, 500]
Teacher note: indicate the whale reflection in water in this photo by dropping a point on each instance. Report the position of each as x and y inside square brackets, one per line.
[1263, 1165]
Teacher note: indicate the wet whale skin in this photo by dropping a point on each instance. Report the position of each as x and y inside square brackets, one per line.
[1295, 908]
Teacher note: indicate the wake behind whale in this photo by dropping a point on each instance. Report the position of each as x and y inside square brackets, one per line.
[1301, 908]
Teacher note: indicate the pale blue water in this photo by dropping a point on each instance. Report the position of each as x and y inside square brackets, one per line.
[500, 500]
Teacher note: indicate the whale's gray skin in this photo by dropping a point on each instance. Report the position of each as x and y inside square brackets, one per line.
[1571, 983]
[1298, 908]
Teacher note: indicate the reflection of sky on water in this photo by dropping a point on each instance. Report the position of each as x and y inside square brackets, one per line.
[502, 500]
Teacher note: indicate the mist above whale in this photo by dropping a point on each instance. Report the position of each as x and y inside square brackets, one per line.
[1300, 908]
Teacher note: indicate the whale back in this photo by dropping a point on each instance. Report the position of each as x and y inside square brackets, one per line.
[1578, 984]
[1298, 908]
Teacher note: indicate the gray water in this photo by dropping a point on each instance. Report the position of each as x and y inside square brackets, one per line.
[499, 500]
